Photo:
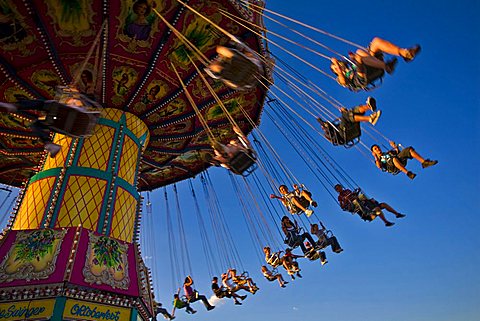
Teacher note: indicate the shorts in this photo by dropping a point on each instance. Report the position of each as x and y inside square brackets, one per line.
[349, 114]
[405, 153]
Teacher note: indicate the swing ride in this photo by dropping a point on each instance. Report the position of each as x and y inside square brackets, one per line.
[165, 89]
[127, 57]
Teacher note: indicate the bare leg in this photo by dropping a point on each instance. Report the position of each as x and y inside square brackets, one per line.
[216, 68]
[304, 194]
[388, 208]
[399, 165]
[359, 118]
[297, 204]
[225, 52]
[363, 108]
[280, 280]
[381, 45]
[417, 156]
[382, 217]
[364, 57]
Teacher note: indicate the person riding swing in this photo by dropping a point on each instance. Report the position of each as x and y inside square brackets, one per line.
[346, 131]
[238, 68]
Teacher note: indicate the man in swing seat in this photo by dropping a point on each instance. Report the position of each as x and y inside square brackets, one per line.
[221, 292]
[272, 276]
[243, 279]
[193, 296]
[273, 259]
[237, 156]
[346, 129]
[367, 66]
[179, 303]
[290, 264]
[71, 114]
[231, 286]
[367, 208]
[294, 235]
[325, 238]
[236, 68]
[297, 201]
[395, 160]
[160, 310]
[313, 254]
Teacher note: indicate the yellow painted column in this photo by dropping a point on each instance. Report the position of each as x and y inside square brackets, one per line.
[92, 181]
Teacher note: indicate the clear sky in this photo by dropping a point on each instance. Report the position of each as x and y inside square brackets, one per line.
[426, 266]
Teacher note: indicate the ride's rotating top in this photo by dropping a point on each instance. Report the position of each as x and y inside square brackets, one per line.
[120, 53]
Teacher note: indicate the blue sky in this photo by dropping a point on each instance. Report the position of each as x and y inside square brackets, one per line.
[426, 266]
[423, 268]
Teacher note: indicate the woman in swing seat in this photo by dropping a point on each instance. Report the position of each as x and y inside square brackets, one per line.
[271, 276]
[395, 160]
[193, 296]
[366, 66]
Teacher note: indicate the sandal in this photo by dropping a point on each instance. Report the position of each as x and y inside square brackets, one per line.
[411, 53]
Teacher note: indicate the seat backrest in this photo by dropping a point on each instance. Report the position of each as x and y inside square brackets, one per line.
[240, 70]
[71, 121]
[293, 240]
[241, 162]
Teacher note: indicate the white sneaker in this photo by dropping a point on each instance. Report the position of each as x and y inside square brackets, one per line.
[52, 148]
[308, 213]
[374, 117]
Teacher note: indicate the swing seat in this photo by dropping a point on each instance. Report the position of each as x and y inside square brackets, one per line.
[295, 210]
[238, 72]
[312, 255]
[275, 259]
[71, 121]
[340, 132]
[390, 167]
[242, 163]
[293, 240]
[321, 245]
[292, 269]
[374, 75]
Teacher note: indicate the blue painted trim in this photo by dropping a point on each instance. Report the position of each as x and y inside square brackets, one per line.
[133, 316]
[59, 308]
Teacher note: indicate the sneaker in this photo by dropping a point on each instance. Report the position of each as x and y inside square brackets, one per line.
[243, 297]
[211, 307]
[411, 175]
[324, 262]
[194, 311]
[285, 282]
[427, 163]
[308, 213]
[388, 224]
[412, 53]
[339, 251]
[52, 148]
[314, 204]
[172, 317]
[390, 66]
[372, 103]
[299, 275]
[238, 303]
[8, 107]
[283, 286]
[374, 117]
[399, 215]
